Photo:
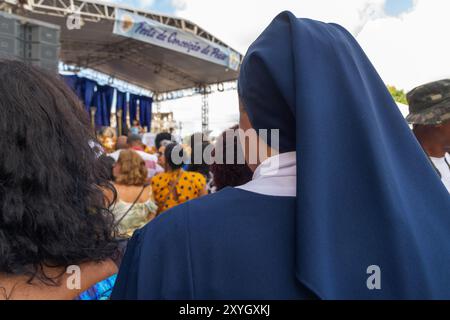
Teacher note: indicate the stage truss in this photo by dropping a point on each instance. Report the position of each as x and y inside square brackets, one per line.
[96, 11]
[163, 74]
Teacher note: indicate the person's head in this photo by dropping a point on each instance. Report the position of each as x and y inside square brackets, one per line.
[107, 137]
[134, 140]
[53, 210]
[160, 137]
[444, 130]
[107, 132]
[122, 143]
[174, 157]
[256, 149]
[136, 123]
[130, 169]
[161, 157]
[199, 154]
[429, 107]
[229, 174]
[266, 106]
[438, 134]
[108, 163]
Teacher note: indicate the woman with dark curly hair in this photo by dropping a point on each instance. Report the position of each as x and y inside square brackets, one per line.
[53, 214]
[229, 174]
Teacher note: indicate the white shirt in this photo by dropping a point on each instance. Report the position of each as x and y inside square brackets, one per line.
[151, 161]
[149, 139]
[444, 169]
[276, 176]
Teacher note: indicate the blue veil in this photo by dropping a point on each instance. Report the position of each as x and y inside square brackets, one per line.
[366, 193]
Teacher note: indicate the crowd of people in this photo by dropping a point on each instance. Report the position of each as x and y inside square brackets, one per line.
[347, 186]
[135, 166]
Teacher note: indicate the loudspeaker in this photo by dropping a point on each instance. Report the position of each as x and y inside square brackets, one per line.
[11, 38]
[39, 50]
[11, 48]
[41, 46]
[30, 41]
[45, 35]
[10, 27]
[50, 65]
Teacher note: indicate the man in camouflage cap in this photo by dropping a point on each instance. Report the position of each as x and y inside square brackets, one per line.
[429, 104]
[429, 107]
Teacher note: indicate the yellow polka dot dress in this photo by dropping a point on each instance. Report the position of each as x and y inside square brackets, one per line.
[175, 187]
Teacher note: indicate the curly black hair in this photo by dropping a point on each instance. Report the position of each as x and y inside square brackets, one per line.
[160, 137]
[52, 207]
[229, 175]
[173, 151]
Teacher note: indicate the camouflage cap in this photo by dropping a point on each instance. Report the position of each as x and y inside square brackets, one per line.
[429, 104]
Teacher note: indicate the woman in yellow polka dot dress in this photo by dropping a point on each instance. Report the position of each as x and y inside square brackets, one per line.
[176, 186]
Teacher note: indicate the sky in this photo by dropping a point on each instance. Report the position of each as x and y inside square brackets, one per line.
[396, 7]
[406, 40]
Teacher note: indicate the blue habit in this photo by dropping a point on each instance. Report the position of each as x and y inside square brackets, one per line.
[367, 196]
[233, 244]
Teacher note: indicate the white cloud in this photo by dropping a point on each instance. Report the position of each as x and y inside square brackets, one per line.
[179, 5]
[239, 22]
[407, 50]
[412, 49]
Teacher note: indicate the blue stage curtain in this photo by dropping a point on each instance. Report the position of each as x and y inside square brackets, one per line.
[109, 97]
[121, 104]
[133, 108]
[146, 112]
[87, 88]
[73, 83]
[83, 88]
[103, 101]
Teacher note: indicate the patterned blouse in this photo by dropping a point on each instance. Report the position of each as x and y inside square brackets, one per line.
[175, 187]
[140, 214]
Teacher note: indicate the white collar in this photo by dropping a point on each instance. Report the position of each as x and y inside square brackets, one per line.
[446, 156]
[276, 176]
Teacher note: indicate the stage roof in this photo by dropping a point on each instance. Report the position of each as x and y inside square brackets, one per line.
[146, 65]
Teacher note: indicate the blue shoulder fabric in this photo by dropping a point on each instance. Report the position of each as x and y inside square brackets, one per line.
[100, 291]
[159, 267]
[367, 195]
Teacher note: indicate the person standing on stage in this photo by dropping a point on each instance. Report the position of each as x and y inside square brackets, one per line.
[429, 107]
[136, 128]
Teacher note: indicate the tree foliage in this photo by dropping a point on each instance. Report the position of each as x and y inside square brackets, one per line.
[398, 95]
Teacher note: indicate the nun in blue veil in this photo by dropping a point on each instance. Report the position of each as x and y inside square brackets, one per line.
[354, 210]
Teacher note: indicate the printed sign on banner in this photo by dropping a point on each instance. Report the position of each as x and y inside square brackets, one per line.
[140, 28]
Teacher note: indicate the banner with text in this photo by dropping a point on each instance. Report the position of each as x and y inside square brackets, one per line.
[140, 28]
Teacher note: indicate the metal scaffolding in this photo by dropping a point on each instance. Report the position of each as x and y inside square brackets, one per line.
[164, 73]
[95, 11]
[205, 92]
